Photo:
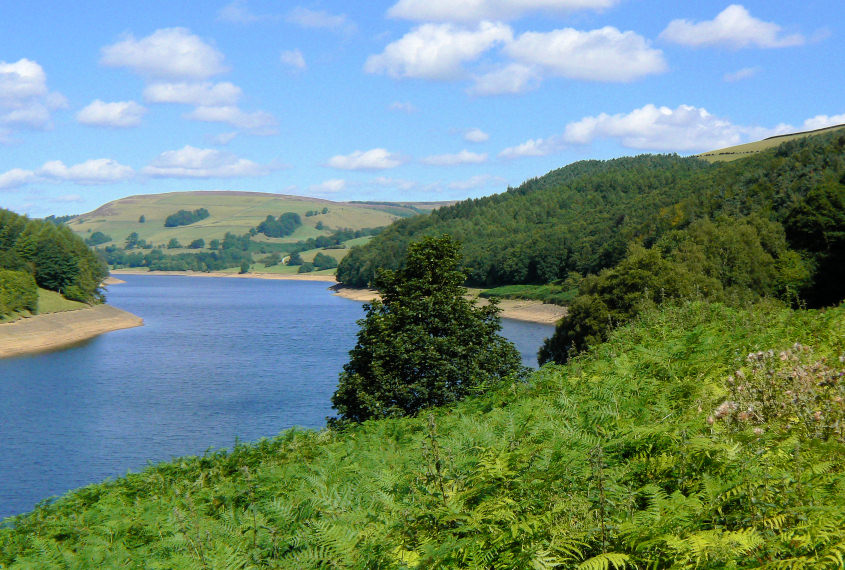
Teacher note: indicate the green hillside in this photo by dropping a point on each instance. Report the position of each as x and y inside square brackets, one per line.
[748, 149]
[639, 454]
[234, 212]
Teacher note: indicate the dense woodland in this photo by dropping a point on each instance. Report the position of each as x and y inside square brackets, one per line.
[185, 217]
[43, 254]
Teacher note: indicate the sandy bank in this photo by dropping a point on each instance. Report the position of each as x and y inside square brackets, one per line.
[285, 276]
[517, 309]
[54, 330]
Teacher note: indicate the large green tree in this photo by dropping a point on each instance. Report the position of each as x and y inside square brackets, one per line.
[424, 343]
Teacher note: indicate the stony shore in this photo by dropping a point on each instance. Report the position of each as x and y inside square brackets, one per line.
[55, 330]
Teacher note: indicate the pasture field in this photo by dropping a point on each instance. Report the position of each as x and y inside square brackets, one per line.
[748, 149]
[234, 212]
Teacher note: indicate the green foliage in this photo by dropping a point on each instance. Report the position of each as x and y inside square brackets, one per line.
[607, 462]
[97, 238]
[323, 261]
[185, 217]
[423, 344]
[18, 293]
[57, 259]
[294, 259]
[244, 267]
[197, 244]
[282, 226]
[583, 216]
[173, 244]
[555, 293]
[142, 219]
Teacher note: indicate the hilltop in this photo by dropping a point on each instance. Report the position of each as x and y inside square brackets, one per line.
[748, 149]
[234, 212]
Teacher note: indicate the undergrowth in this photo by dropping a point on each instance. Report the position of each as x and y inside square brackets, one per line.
[646, 452]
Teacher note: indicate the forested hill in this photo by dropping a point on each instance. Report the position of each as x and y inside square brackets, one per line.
[49, 255]
[583, 217]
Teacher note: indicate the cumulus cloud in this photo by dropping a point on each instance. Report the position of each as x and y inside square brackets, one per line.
[191, 162]
[320, 19]
[237, 13]
[204, 93]
[120, 114]
[463, 157]
[822, 121]
[741, 74]
[513, 78]
[25, 100]
[476, 135]
[437, 51]
[374, 159]
[96, 171]
[294, 59]
[605, 54]
[16, 178]
[533, 147]
[476, 10]
[685, 128]
[734, 27]
[329, 186]
[258, 122]
[172, 53]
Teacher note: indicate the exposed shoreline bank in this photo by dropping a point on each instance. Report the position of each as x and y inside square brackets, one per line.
[42, 333]
[517, 309]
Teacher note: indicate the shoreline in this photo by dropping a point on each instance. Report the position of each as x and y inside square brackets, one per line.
[43, 333]
[516, 309]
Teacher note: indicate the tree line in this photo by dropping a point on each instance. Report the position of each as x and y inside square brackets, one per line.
[39, 253]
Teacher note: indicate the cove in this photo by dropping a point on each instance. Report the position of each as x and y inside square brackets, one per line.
[217, 360]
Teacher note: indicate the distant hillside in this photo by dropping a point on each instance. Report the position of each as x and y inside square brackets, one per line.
[748, 149]
[234, 212]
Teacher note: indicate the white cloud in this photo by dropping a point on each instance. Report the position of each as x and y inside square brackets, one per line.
[173, 53]
[463, 157]
[117, 114]
[734, 27]
[605, 54]
[222, 138]
[294, 59]
[437, 51]
[374, 159]
[329, 186]
[478, 181]
[685, 128]
[476, 10]
[320, 19]
[237, 13]
[15, 178]
[191, 162]
[533, 147]
[24, 98]
[258, 122]
[741, 74]
[822, 121]
[403, 107]
[476, 135]
[96, 171]
[193, 93]
[512, 78]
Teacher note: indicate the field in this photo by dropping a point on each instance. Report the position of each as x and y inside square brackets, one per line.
[743, 150]
[234, 212]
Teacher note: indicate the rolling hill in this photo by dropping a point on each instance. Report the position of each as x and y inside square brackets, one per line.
[234, 212]
[748, 149]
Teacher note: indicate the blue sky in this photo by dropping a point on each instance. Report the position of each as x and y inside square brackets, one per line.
[399, 100]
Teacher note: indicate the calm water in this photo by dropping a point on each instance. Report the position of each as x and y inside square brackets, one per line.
[216, 360]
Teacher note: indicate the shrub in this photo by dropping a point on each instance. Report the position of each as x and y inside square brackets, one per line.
[18, 292]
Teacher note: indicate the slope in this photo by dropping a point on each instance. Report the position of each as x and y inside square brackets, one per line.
[744, 150]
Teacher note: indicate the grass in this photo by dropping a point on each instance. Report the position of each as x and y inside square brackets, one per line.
[743, 150]
[234, 212]
[52, 302]
[551, 293]
[611, 461]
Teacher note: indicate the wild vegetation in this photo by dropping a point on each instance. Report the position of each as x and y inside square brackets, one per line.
[37, 253]
[697, 436]
[184, 217]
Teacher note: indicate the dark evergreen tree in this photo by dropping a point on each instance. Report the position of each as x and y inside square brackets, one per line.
[424, 343]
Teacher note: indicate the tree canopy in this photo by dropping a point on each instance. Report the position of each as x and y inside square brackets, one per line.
[424, 343]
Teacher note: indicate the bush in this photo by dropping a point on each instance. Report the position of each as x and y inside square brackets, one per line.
[18, 292]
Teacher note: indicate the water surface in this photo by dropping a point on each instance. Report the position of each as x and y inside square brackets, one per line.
[217, 360]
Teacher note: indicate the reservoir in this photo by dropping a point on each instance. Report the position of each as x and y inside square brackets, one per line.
[217, 361]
